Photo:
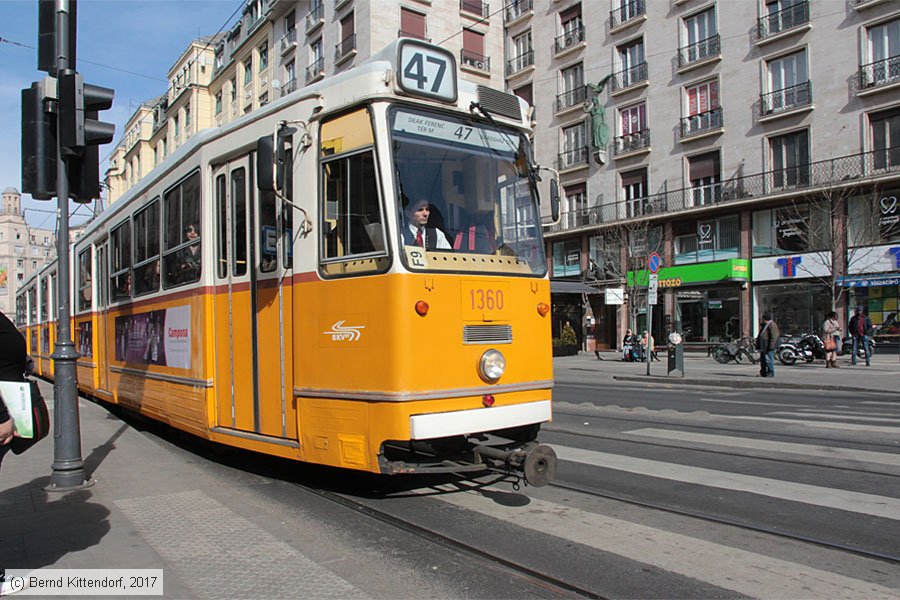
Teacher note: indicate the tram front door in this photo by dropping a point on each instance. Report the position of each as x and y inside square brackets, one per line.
[254, 383]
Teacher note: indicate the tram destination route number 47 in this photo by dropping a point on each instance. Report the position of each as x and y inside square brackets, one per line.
[427, 71]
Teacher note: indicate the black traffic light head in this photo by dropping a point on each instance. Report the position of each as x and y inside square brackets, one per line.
[38, 145]
[79, 104]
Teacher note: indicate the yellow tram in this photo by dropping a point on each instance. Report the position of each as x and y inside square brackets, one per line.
[262, 287]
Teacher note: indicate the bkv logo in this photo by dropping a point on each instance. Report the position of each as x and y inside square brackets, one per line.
[344, 333]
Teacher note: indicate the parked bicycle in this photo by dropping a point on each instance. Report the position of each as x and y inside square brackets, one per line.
[737, 351]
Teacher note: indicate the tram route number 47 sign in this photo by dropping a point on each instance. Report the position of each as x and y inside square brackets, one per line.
[427, 71]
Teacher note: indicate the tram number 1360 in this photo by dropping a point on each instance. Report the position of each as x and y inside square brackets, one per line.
[486, 299]
[427, 71]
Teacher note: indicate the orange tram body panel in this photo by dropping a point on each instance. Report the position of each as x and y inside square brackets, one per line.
[264, 287]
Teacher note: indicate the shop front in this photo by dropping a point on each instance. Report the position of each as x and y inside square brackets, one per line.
[794, 290]
[704, 300]
[874, 284]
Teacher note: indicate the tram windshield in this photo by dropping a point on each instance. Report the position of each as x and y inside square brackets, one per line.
[464, 195]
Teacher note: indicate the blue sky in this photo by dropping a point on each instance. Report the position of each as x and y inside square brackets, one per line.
[127, 45]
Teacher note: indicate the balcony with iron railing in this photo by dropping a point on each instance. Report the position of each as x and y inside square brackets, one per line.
[569, 159]
[699, 52]
[473, 60]
[516, 9]
[315, 17]
[705, 122]
[519, 63]
[413, 35]
[288, 40]
[627, 78]
[865, 168]
[879, 73]
[630, 143]
[571, 98]
[291, 86]
[315, 69]
[568, 39]
[475, 7]
[345, 48]
[626, 13]
[785, 100]
[784, 20]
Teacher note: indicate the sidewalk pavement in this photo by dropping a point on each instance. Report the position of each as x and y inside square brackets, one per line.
[215, 531]
[699, 369]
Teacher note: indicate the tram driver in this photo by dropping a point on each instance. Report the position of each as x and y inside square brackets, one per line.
[417, 231]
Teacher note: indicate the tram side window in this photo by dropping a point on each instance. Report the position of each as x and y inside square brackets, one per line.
[221, 229]
[120, 277]
[182, 253]
[239, 221]
[146, 249]
[53, 304]
[32, 306]
[85, 279]
[21, 310]
[45, 299]
[352, 219]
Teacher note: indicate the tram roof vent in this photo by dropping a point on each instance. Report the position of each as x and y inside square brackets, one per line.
[487, 334]
[499, 102]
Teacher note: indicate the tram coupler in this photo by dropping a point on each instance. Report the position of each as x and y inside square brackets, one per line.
[536, 461]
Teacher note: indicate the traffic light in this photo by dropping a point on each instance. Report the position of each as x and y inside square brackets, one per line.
[79, 105]
[47, 35]
[38, 144]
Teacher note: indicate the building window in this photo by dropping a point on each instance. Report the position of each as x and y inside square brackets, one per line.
[233, 89]
[883, 53]
[576, 205]
[573, 89]
[472, 53]
[574, 146]
[187, 120]
[523, 53]
[790, 159]
[710, 240]
[702, 108]
[219, 103]
[701, 37]
[248, 72]
[791, 229]
[176, 129]
[526, 93]
[788, 84]
[263, 57]
[634, 193]
[567, 258]
[412, 24]
[33, 265]
[20, 263]
[886, 138]
[872, 220]
[632, 64]
[572, 27]
[316, 60]
[348, 38]
[781, 15]
[704, 172]
[634, 132]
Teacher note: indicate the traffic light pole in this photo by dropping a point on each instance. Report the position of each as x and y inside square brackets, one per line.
[68, 466]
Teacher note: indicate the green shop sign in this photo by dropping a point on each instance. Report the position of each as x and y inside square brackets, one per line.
[736, 269]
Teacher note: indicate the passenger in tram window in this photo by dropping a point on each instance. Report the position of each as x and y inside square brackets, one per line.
[417, 231]
[125, 285]
[189, 258]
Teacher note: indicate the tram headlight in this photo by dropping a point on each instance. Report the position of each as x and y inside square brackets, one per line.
[492, 365]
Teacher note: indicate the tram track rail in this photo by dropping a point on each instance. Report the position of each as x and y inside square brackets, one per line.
[721, 520]
[557, 587]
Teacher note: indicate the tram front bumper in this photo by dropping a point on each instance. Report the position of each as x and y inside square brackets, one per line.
[475, 420]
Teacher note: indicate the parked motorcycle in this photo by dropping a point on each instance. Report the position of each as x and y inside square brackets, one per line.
[847, 348]
[807, 347]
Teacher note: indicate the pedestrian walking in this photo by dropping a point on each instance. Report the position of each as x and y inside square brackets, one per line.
[860, 325]
[832, 341]
[765, 341]
[13, 359]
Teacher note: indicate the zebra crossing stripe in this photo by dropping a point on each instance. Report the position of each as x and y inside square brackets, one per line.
[831, 452]
[748, 573]
[868, 504]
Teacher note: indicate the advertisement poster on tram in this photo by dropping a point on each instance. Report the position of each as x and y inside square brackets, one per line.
[159, 337]
[84, 339]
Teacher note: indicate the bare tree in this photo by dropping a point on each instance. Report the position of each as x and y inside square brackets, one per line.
[833, 225]
[625, 248]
